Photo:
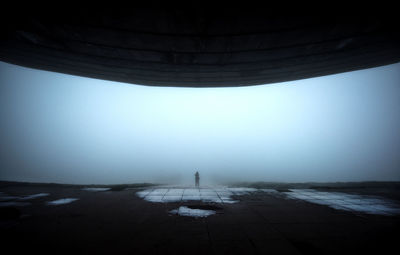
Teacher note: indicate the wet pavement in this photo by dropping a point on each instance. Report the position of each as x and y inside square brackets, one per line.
[336, 200]
[161, 221]
[206, 195]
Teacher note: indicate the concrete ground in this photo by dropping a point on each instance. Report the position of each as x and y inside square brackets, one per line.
[122, 222]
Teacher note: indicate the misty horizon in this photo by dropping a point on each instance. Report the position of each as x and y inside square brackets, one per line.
[68, 129]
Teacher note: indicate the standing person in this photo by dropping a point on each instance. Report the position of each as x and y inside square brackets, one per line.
[197, 178]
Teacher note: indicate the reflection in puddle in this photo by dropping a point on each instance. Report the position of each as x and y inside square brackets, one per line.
[62, 201]
[347, 202]
[189, 212]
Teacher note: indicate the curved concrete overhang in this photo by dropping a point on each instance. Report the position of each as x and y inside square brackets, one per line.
[198, 48]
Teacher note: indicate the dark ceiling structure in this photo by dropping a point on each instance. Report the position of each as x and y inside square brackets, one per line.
[198, 47]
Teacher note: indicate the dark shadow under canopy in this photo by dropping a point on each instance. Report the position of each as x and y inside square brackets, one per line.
[198, 47]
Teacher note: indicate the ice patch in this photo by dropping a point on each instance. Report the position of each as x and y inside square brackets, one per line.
[204, 195]
[269, 190]
[186, 211]
[171, 199]
[347, 202]
[191, 198]
[143, 193]
[62, 201]
[229, 201]
[174, 192]
[158, 192]
[242, 191]
[154, 199]
[191, 192]
[96, 189]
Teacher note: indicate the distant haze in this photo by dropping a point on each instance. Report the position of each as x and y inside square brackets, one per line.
[68, 129]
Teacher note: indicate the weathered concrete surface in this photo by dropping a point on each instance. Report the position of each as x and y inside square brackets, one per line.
[123, 223]
[200, 47]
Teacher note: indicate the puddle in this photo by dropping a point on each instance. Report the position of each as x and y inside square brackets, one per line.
[347, 202]
[62, 201]
[189, 212]
[96, 189]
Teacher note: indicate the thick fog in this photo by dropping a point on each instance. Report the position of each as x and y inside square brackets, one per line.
[68, 129]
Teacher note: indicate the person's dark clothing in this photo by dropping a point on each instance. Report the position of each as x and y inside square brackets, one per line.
[197, 178]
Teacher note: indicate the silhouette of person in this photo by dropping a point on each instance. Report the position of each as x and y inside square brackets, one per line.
[197, 178]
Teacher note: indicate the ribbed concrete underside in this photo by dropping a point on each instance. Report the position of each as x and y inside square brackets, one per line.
[198, 48]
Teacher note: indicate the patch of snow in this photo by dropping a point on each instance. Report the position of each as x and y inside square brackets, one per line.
[143, 193]
[197, 213]
[347, 202]
[174, 192]
[172, 199]
[242, 191]
[211, 199]
[229, 201]
[191, 192]
[191, 198]
[96, 189]
[269, 190]
[62, 201]
[154, 199]
[158, 192]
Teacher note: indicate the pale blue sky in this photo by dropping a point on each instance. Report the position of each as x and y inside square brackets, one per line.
[69, 129]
